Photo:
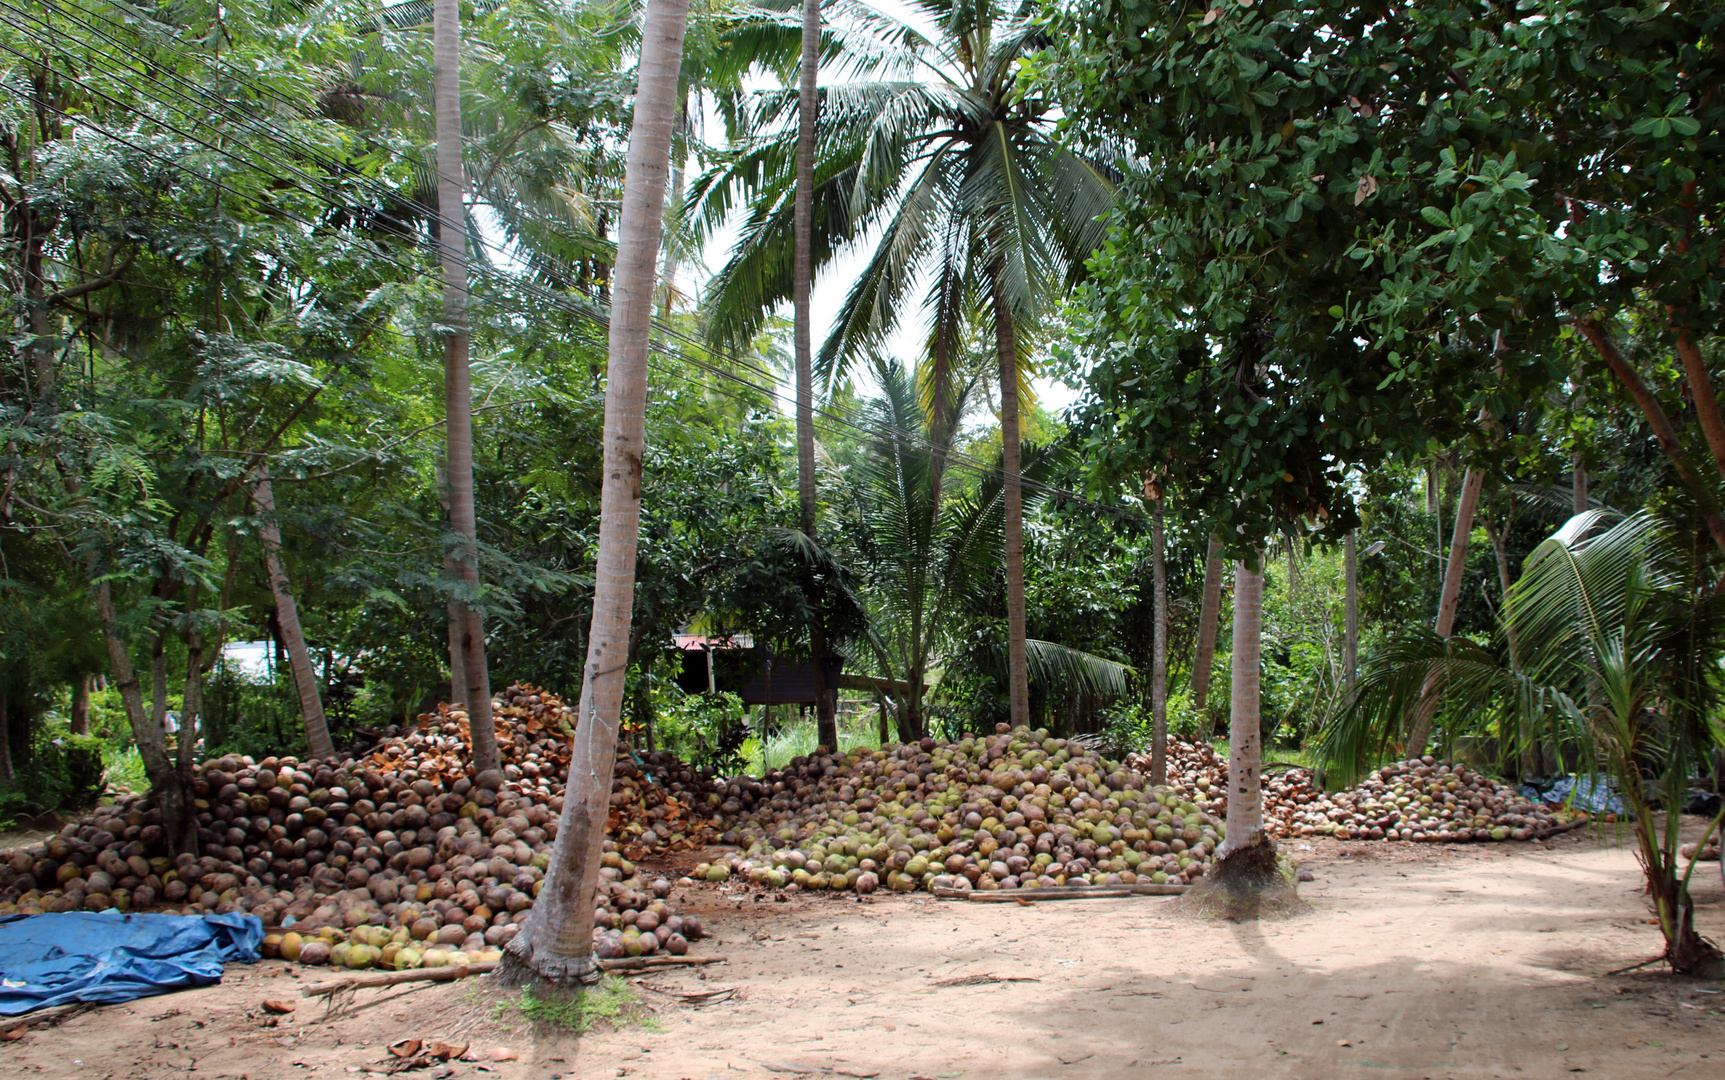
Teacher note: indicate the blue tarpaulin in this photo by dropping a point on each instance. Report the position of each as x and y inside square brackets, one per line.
[111, 956]
[1593, 793]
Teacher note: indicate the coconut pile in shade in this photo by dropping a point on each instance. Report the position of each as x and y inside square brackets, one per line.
[1420, 799]
[1013, 809]
[403, 846]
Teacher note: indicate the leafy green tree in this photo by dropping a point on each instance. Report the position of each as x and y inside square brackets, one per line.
[1271, 308]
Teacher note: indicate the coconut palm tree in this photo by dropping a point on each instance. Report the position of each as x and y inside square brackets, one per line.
[556, 944]
[826, 721]
[971, 194]
[1619, 640]
[457, 385]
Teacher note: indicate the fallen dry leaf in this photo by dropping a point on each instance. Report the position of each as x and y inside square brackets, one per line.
[405, 1048]
[278, 1007]
[445, 1051]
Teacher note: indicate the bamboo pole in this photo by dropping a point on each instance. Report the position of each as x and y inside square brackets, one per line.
[1059, 892]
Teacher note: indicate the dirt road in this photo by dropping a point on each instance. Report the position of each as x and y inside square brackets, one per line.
[1415, 962]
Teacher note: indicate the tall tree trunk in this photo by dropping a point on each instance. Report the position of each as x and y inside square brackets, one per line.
[1663, 429]
[159, 681]
[557, 942]
[1006, 352]
[1456, 569]
[6, 771]
[1701, 395]
[191, 703]
[1245, 829]
[457, 664]
[1159, 649]
[81, 705]
[808, 111]
[457, 389]
[1350, 610]
[1420, 731]
[1578, 485]
[1528, 736]
[287, 612]
[170, 788]
[674, 209]
[1209, 617]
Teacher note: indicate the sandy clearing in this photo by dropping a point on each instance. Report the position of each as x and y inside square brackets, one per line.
[1414, 962]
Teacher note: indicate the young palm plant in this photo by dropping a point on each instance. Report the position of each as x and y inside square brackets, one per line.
[931, 563]
[1619, 637]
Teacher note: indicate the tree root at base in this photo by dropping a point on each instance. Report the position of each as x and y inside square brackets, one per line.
[1244, 884]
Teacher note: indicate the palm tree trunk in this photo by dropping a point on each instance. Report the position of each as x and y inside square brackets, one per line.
[556, 944]
[1578, 485]
[808, 110]
[287, 612]
[1006, 351]
[457, 389]
[1350, 610]
[1420, 731]
[1209, 616]
[457, 664]
[1159, 650]
[1245, 829]
[674, 211]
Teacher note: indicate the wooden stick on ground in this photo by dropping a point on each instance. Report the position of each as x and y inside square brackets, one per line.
[462, 971]
[52, 1014]
[1059, 892]
[638, 963]
[390, 978]
[1555, 830]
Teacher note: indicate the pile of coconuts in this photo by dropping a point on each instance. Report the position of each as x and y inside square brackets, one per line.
[1420, 799]
[349, 858]
[1005, 811]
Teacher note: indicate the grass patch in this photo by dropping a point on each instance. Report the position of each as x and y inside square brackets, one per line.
[613, 1003]
[799, 739]
[125, 768]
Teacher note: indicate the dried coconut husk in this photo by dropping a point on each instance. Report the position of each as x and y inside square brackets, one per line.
[1244, 883]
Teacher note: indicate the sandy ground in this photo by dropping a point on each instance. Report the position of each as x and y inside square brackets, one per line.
[1414, 962]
